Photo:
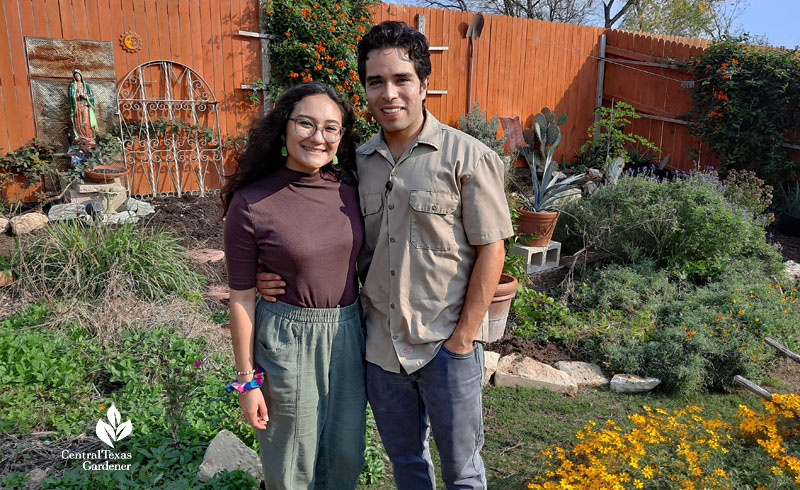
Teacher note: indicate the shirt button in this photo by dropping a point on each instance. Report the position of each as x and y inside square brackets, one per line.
[394, 337]
[391, 306]
[391, 272]
[433, 208]
[391, 206]
[391, 239]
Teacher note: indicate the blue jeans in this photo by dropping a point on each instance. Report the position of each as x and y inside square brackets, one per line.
[443, 396]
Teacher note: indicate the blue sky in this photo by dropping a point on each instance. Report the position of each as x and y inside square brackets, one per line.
[778, 20]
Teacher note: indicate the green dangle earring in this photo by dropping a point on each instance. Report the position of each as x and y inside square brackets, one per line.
[335, 160]
[284, 152]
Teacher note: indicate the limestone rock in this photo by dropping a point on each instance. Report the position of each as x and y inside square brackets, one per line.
[628, 383]
[27, 223]
[3, 224]
[218, 291]
[90, 188]
[792, 269]
[589, 188]
[594, 174]
[203, 255]
[67, 211]
[518, 370]
[139, 208]
[119, 218]
[227, 453]
[583, 374]
[490, 360]
[35, 477]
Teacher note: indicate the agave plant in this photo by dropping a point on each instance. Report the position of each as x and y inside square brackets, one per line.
[551, 187]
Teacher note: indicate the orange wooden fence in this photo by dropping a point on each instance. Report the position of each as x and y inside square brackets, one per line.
[521, 65]
[199, 33]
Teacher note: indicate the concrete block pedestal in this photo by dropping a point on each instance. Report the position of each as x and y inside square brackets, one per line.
[539, 259]
[80, 192]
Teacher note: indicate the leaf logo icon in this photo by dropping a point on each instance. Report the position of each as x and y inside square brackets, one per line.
[112, 431]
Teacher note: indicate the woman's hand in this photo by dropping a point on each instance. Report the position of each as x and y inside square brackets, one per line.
[254, 408]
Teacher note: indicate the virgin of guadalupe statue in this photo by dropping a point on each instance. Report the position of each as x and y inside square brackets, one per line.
[81, 112]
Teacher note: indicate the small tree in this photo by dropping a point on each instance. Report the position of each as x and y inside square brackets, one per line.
[612, 140]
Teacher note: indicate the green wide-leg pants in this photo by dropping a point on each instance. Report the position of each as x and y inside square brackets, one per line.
[315, 393]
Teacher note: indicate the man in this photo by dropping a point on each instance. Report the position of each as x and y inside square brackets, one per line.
[435, 218]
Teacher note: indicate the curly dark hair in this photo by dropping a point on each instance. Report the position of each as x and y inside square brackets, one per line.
[393, 34]
[262, 157]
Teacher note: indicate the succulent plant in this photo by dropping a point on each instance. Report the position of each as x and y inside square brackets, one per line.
[547, 135]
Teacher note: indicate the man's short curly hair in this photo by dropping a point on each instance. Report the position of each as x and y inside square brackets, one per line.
[393, 34]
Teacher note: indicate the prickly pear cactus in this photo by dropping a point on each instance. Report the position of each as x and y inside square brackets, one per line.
[546, 134]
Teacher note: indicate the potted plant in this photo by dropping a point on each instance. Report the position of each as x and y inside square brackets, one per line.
[537, 213]
[789, 223]
[97, 166]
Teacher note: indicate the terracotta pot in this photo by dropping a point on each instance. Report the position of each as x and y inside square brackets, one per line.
[105, 173]
[498, 309]
[542, 223]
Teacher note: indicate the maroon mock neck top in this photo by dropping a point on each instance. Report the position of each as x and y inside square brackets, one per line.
[305, 227]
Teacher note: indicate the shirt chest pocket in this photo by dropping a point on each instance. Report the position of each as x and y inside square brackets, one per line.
[432, 219]
[371, 206]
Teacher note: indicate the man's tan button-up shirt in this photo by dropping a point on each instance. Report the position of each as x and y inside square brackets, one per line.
[424, 214]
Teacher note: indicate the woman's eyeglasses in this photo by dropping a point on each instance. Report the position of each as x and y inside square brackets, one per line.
[306, 129]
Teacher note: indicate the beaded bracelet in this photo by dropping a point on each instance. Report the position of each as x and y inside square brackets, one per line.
[242, 373]
[256, 382]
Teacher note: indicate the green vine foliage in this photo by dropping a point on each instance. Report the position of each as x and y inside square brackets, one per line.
[32, 161]
[316, 41]
[746, 105]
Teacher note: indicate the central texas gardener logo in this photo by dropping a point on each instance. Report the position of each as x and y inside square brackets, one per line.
[113, 431]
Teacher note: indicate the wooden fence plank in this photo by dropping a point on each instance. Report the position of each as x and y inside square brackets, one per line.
[93, 19]
[81, 19]
[165, 41]
[39, 14]
[21, 79]
[26, 17]
[106, 24]
[53, 19]
[9, 96]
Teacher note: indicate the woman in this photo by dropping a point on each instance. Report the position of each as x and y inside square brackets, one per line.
[292, 204]
[81, 111]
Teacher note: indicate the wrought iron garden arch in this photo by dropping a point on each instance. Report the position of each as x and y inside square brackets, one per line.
[169, 126]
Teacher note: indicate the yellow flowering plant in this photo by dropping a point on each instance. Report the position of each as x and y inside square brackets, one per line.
[680, 449]
[775, 431]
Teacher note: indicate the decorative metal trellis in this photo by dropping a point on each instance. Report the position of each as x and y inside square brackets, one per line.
[169, 126]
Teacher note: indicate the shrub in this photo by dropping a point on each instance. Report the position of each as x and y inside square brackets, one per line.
[317, 41]
[745, 189]
[746, 104]
[665, 221]
[701, 336]
[484, 130]
[73, 259]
